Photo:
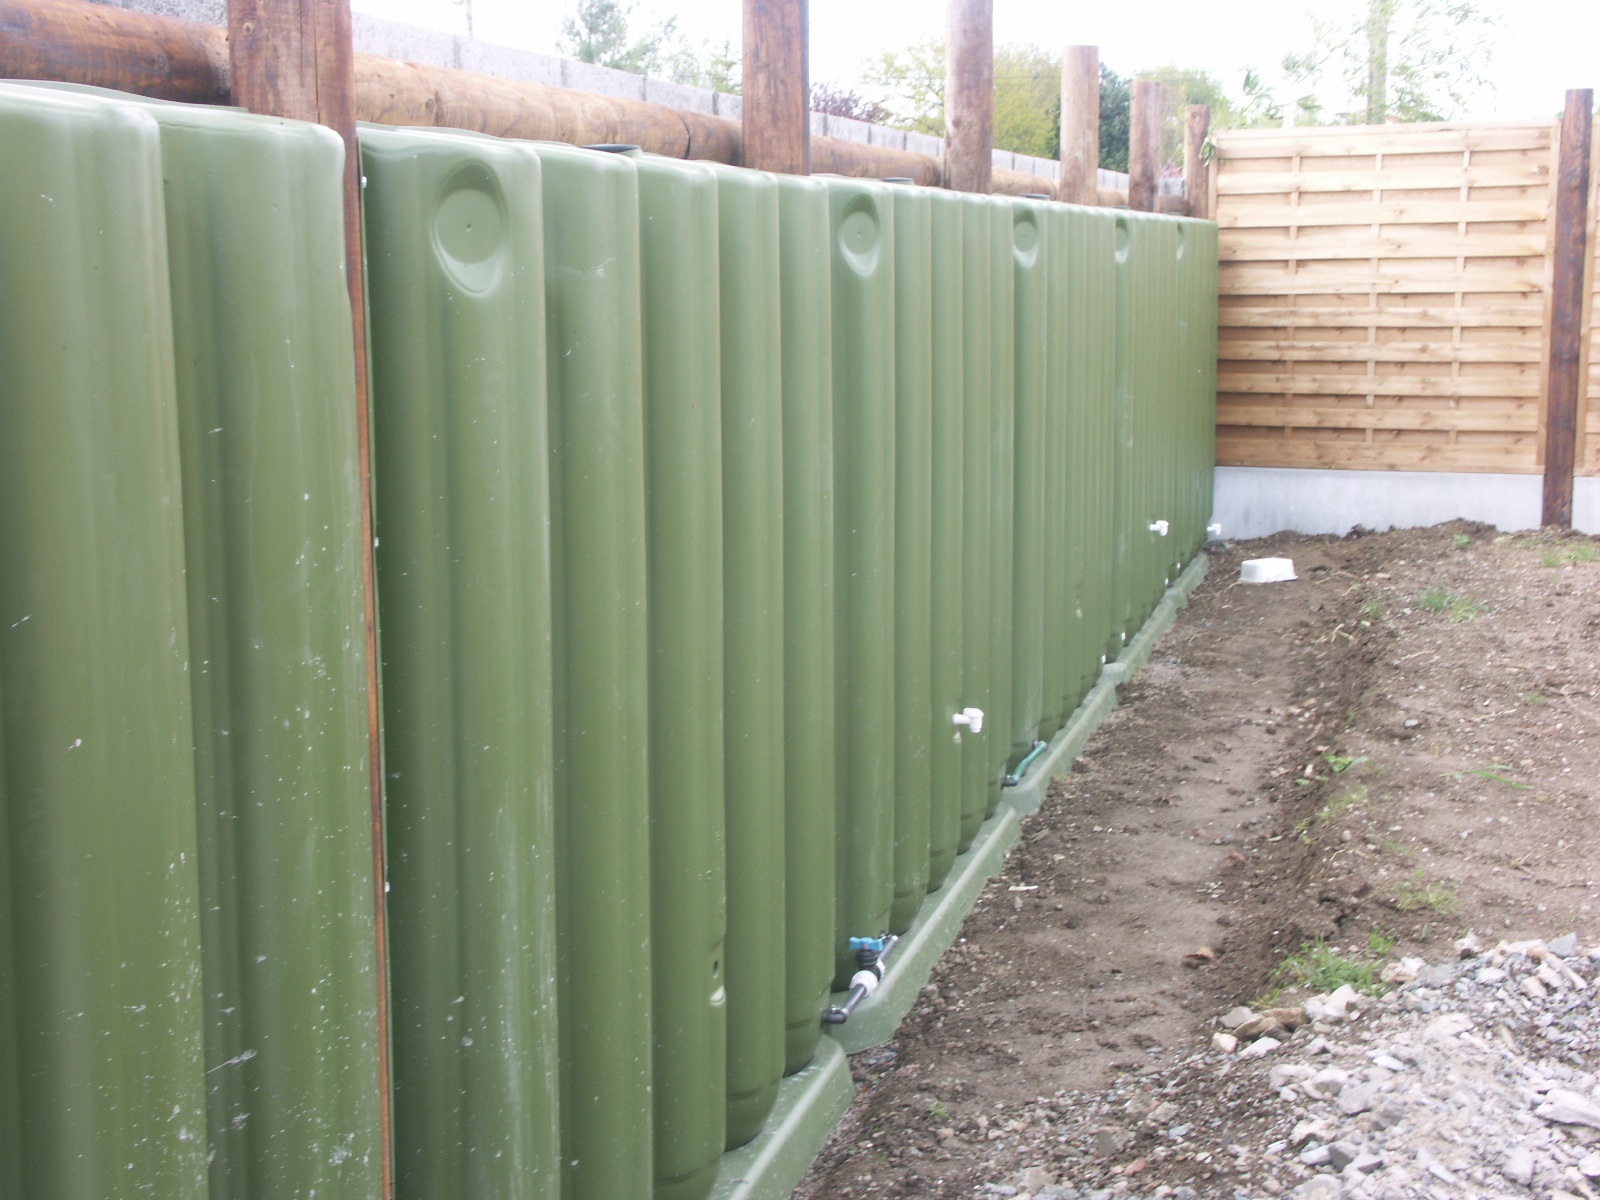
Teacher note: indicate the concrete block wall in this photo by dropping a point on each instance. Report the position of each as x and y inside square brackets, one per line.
[1252, 502]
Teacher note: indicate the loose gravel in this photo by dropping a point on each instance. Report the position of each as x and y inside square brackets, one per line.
[1471, 1078]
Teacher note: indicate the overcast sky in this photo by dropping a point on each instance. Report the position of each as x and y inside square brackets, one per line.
[1543, 46]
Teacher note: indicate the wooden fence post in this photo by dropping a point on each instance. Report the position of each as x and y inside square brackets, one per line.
[1565, 387]
[1144, 145]
[969, 96]
[777, 86]
[1080, 125]
[295, 58]
[1196, 184]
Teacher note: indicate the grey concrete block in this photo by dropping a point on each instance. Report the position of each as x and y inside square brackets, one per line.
[679, 96]
[847, 130]
[602, 81]
[922, 143]
[1044, 168]
[210, 12]
[489, 58]
[1255, 501]
[819, 124]
[408, 43]
[882, 135]
[1005, 160]
[728, 106]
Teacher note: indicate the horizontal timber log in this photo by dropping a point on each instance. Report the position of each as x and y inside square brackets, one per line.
[73, 41]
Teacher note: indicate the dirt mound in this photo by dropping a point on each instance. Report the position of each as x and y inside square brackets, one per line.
[1394, 748]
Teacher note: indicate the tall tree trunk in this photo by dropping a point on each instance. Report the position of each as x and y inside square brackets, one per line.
[1380, 15]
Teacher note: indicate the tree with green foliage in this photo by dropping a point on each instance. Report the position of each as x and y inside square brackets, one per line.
[845, 102]
[1027, 101]
[1116, 119]
[717, 68]
[907, 85]
[1398, 60]
[599, 32]
[1181, 87]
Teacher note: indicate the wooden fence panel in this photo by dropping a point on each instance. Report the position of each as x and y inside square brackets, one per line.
[1383, 297]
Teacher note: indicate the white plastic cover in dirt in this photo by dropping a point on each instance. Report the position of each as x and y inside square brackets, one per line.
[1266, 570]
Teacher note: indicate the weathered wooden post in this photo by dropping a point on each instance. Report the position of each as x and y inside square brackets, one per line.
[777, 86]
[1080, 125]
[969, 96]
[294, 58]
[1196, 185]
[1144, 145]
[1564, 340]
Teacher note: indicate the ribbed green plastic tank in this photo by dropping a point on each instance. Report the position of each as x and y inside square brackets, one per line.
[1002, 490]
[1124, 504]
[1200, 272]
[455, 294]
[805, 265]
[678, 241]
[267, 431]
[864, 437]
[1030, 346]
[600, 640]
[1060, 627]
[752, 507]
[977, 536]
[946, 563]
[1091, 339]
[1143, 343]
[913, 532]
[102, 1079]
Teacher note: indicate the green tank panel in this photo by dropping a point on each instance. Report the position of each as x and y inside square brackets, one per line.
[1002, 491]
[455, 286]
[1091, 342]
[683, 506]
[600, 637]
[102, 1070]
[977, 538]
[946, 564]
[1030, 264]
[1058, 649]
[864, 427]
[808, 615]
[267, 429]
[913, 549]
[753, 640]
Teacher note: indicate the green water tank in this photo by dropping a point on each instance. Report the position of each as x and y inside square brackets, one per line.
[864, 493]
[102, 1080]
[946, 565]
[752, 522]
[804, 267]
[455, 293]
[1030, 264]
[1060, 628]
[600, 640]
[913, 549]
[684, 523]
[977, 537]
[1002, 488]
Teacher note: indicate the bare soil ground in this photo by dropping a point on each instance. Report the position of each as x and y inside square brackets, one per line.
[1396, 748]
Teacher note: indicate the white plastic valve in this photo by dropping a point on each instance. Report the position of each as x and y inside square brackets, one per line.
[867, 981]
[1159, 527]
[1215, 529]
[972, 718]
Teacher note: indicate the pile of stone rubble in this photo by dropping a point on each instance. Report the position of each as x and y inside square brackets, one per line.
[1475, 1078]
